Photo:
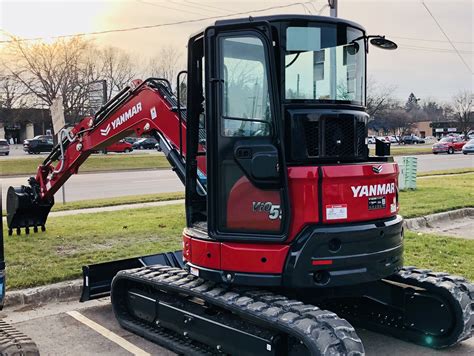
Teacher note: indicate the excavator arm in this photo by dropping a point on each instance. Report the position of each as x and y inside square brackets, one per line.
[144, 107]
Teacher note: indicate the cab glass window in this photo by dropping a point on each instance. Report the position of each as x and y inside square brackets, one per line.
[246, 100]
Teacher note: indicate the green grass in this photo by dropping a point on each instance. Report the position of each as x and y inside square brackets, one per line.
[95, 163]
[437, 194]
[59, 253]
[69, 243]
[446, 172]
[407, 151]
[440, 253]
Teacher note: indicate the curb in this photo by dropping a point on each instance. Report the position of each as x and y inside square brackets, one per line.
[57, 292]
[428, 220]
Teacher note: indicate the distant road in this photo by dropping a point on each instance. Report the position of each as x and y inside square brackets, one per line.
[108, 185]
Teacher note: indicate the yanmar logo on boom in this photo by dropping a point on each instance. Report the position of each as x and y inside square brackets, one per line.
[122, 118]
[360, 191]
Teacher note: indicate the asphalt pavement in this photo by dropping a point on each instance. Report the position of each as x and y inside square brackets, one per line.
[73, 328]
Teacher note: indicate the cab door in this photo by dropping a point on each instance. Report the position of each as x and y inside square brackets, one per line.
[247, 183]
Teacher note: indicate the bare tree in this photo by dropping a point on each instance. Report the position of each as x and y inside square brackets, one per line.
[50, 70]
[379, 97]
[12, 92]
[166, 64]
[463, 111]
[117, 69]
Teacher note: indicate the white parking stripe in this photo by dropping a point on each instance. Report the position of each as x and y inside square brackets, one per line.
[108, 334]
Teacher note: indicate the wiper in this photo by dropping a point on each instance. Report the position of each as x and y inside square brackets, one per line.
[294, 59]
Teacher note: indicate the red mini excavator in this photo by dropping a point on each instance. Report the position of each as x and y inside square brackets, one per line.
[290, 224]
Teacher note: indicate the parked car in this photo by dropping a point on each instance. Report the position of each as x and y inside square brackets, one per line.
[38, 144]
[468, 147]
[120, 146]
[448, 145]
[412, 140]
[158, 147]
[145, 144]
[371, 139]
[4, 147]
[391, 139]
[131, 140]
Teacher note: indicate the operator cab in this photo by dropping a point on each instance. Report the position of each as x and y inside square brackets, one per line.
[280, 91]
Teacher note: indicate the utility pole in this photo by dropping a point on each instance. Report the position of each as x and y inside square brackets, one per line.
[333, 8]
[332, 54]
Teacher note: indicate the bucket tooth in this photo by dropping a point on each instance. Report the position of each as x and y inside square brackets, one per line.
[35, 229]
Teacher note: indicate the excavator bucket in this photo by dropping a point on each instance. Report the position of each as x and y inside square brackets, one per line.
[25, 209]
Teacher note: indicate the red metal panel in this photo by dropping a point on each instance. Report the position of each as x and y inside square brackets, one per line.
[348, 188]
[253, 258]
[250, 208]
[303, 189]
[202, 253]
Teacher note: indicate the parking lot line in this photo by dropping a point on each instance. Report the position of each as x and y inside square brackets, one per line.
[108, 334]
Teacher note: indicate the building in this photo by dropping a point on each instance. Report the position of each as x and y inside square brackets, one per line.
[20, 124]
[422, 129]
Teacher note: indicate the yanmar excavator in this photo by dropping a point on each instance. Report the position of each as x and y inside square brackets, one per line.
[291, 225]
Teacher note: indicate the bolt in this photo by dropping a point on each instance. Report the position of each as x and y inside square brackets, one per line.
[157, 322]
[412, 324]
[442, 305]
[219, 347]
[147, 127]
[442, 331]
[79, 147]
[185, 334]
[228, 276]
[91, 122]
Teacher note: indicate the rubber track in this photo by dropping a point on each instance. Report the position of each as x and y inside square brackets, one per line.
[15, 343]
[322, 332]
[460, 289]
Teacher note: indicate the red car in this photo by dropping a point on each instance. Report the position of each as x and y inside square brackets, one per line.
[448, 145]
[120, 146]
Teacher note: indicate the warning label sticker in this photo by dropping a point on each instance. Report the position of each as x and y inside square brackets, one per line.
[336, 211]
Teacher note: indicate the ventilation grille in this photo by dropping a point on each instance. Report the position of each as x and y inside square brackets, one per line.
[339, 136]
[311, 133]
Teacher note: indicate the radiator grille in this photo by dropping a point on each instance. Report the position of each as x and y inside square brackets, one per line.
[311, 133]
[328, 136]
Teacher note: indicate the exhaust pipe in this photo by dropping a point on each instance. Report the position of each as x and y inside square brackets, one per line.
[26, 209]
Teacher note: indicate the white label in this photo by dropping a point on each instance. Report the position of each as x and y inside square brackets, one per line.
[393, 206]
[194, 271]
[153, 113]
[336, 211]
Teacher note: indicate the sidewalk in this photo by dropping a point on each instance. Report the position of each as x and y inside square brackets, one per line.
[115, 208]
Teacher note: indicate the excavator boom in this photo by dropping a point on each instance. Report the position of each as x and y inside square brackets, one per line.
[144, 107]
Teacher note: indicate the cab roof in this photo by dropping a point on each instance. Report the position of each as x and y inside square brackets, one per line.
[289, 17]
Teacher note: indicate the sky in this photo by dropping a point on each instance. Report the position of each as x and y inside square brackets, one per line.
[425, 63]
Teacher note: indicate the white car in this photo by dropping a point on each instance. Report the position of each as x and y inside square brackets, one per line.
[371, 139]
[4, 147]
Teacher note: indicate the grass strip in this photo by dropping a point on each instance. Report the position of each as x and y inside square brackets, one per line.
[95, 163]
[437, 194]
[446, 172]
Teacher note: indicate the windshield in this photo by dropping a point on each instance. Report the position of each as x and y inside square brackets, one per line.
[471, 142]
[325, 63]
[446, 139]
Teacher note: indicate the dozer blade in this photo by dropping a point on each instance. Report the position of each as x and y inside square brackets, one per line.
[25, 209]
[97, 278]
